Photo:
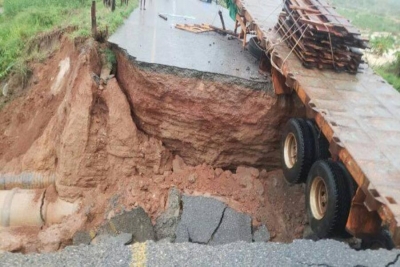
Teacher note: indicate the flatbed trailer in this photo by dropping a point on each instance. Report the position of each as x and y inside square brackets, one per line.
[358, 114]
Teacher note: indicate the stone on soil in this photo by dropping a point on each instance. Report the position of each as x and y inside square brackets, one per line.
[235, 226]
[200, 218]
[123, 239]
[261, 234]
[178, 165]
[135, 222]
[81, 237]
[167, 223]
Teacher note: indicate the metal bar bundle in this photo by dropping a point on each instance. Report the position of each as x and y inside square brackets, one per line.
[319, 36]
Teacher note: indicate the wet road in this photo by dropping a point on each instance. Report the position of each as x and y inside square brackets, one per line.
[151, 39]
[299, 253]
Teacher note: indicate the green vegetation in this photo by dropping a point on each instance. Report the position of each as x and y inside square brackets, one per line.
[23, 20]
[377, 16]
[391, 72]
[371, 22]
[382, 44]
[372, 15]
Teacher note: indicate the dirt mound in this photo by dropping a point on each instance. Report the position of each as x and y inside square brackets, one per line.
[86, 134]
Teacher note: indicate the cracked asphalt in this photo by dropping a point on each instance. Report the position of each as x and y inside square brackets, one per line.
[298, 253]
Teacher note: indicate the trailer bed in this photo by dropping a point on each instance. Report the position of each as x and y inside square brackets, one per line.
[358, 114]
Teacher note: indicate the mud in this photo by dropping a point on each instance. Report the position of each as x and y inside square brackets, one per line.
[125, 144]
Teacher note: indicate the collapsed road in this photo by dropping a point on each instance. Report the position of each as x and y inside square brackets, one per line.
[183, 110]
[105, 139]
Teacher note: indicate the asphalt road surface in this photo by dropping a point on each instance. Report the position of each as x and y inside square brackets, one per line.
[153, 40]
[298, 253]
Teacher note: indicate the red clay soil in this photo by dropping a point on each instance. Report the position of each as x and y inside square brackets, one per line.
[206, 118]
[88, 138]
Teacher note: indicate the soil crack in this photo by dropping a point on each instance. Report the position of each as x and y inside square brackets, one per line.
[135, 119]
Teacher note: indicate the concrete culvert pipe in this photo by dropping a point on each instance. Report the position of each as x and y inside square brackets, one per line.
[21, 207]
[54, 212]
[26, 180]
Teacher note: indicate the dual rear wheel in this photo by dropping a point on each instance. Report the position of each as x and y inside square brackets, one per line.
[329, 187]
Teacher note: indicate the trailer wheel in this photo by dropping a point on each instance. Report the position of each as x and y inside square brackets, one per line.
[255, 49]
[297, 151]
[352, 187]
[320, 142]
[328, 199]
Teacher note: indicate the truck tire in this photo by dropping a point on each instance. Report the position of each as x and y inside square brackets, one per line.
[351, 183]
[297, 151]
[320, 142]
[352, 189]
[255, 49]
[328, 199]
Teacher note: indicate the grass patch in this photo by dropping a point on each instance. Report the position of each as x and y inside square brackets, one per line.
[24, 19]
[390, 77]
[372, 22]
[391, 72]
[376, 16]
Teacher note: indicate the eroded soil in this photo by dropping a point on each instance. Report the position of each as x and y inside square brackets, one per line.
[124, 144]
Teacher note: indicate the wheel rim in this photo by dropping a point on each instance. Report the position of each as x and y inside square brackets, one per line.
[290, 150]
[318, 198]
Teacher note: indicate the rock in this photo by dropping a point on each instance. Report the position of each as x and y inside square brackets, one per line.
[5, 90]
[167, 223]
[178, 165]
[235, 226]
[182, 234]
[124, 238]
[135, 222]
[263, 174]
[200, 218]
[218, 171]
[192, 178]
[174, 202]
[259, 187]
[254, 172]
[261, 234]
[101, 239]
[158, 179]
[81, 237]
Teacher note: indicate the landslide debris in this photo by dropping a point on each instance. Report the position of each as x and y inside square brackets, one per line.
[115, 148]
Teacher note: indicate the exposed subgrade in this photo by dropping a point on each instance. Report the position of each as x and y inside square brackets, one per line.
[221, 120]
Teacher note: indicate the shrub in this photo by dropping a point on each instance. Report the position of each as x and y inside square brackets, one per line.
[383, 44]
